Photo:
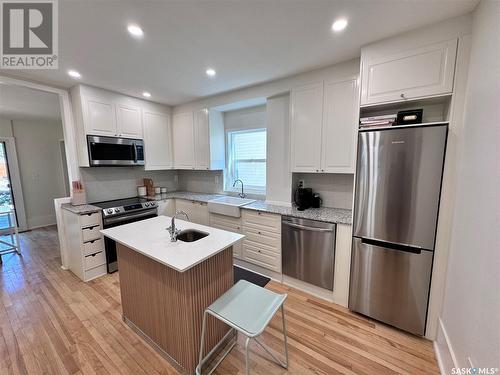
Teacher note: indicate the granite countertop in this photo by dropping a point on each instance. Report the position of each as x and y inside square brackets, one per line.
[83, 209]
[326, 214]
[154, 241]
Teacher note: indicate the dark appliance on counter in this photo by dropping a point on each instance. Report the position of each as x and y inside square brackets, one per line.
[316, 201]
[112, 151]
[303, 198]
[119, 212]
[398, 187]
[410, 117]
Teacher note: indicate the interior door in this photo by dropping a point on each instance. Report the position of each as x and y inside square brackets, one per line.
[390, 285]
[398, 184]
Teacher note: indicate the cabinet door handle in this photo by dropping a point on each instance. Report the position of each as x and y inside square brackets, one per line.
[403, 96]
[259, 232]
[317, 170]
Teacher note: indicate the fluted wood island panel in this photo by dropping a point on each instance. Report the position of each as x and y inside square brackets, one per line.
[167, 306]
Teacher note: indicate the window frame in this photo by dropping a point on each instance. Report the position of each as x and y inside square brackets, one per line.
[229, 172]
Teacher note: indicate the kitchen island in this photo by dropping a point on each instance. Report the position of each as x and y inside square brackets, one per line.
[165, 286]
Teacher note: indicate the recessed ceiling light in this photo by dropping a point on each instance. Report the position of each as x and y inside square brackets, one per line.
[211, 72]
[74, 74]
[135, 31]
[339, 24]
[146, 94]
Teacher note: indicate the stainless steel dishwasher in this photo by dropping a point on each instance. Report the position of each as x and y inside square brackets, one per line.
[308, 251]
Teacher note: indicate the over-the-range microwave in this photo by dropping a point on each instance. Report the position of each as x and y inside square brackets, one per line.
[111, 151]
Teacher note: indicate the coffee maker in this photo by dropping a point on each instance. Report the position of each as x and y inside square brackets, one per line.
[303, 198]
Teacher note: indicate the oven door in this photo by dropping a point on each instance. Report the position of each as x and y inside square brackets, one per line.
[109, 151]
[110, 245]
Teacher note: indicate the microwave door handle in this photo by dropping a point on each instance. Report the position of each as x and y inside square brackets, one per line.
[135, 152]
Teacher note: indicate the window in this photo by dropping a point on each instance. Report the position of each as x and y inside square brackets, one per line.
[246, 151]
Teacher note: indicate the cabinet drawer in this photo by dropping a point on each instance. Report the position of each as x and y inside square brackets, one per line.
[93, 247]
[94, 260]
[272, 240]
[261, 256]
[91, 233]
[89, 220]
[261, 220]
[217, 220]
[95, 272]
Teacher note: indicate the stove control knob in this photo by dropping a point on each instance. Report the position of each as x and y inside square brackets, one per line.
[109, 211]
[146, 204]
[117, 210]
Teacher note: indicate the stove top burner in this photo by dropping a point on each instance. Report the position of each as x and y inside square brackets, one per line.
[118, 207]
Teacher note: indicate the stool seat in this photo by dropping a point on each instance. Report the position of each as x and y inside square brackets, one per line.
[247, 307]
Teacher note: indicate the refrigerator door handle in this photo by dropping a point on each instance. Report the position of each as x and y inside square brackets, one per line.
[392, 245]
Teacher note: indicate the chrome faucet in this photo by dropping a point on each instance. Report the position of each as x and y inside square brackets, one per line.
[172, 230]
[242, 194]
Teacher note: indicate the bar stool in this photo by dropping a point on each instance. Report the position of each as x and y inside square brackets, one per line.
[8, 227]
[248, 309]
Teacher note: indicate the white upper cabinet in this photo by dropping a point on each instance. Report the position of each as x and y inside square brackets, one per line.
[129, 122]
[99, 113]
[183, 140]
[324, 119]
[340, 120]
[158, 140]
[306, 123]
[198, 140]
[202, 140]
[408, 74]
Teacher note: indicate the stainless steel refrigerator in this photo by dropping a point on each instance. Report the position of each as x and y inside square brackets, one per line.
[398, 186]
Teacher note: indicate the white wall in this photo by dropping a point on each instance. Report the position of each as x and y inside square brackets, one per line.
[246, 118]
[470, 319]
[40, 167]
[107, 183]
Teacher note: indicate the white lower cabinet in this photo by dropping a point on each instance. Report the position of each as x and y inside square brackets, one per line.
[166, 207]
[262, 242]
[197, 211]
[87, 256]
[231, 224]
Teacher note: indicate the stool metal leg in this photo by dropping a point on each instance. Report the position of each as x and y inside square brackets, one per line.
[284, 335]
[247, 360]
[202, 344]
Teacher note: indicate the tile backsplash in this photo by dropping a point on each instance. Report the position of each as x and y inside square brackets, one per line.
[107, 183]
[336, 190]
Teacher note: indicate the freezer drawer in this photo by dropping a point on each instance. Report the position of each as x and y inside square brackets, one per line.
[390, 285]
[398, 184]
[308, 251]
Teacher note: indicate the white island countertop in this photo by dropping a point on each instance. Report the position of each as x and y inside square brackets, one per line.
[151, 238]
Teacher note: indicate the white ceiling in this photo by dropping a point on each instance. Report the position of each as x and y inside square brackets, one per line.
[247, 42]
[21, 103]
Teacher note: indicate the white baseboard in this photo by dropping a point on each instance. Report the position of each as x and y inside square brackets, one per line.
[309, 288]
[444, 351]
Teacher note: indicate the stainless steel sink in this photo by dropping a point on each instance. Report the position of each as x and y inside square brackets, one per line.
[191, 235]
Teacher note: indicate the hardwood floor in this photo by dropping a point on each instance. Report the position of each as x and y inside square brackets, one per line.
[52, 323]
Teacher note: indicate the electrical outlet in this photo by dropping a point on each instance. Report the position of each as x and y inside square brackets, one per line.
[176, 178]
[216, 180]
[301, 183]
